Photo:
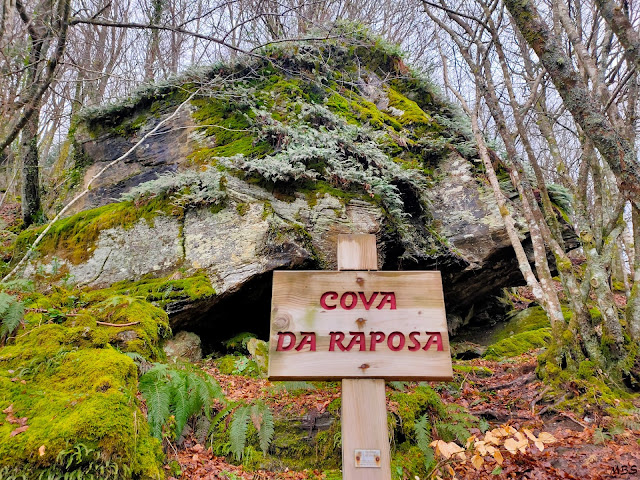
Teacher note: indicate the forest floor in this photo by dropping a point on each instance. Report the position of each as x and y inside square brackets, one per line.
[511, 395]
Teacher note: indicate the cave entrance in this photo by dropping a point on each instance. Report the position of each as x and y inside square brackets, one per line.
[247, 309]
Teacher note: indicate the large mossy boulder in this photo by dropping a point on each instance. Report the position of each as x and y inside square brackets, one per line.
[68, 376]
[272, 159]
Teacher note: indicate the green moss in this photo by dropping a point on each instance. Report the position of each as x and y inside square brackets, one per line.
[89, 397]
[532, 318]
[229, 125]
[131, 125]
[473, 369]
[411, 406]
[74, 238]
[167, 290]
[77, 391]
[242, 209]
[356, 110]
[238, 365]
[291, 449]
[518, 344]
[413, 114]
[408, 463]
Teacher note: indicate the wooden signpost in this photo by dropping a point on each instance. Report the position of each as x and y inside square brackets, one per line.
[363, 327]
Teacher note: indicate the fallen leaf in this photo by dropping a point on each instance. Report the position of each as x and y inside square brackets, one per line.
[19, 430]
[513, 445]
[498, 456]
[9, 409]
[477, 461]
[546, 437]
[41, 450]
[448, 449]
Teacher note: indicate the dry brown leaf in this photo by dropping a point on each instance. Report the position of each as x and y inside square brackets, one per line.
[9, 409]
[498, 456]
[448, 449]
[477, 461]
[546, 437]
[489, 437]
[19, 430]
[41, 450]
[513, 445]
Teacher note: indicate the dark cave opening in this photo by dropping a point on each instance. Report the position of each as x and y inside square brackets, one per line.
[248, 309]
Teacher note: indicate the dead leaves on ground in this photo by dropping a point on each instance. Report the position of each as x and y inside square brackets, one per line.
[11, 418]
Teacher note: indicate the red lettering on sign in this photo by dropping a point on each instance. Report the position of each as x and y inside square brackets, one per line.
[416, 342]
[336, 339]
[390, 298]
[367, 303]
[330, 296]
[357, 338]
[376, 337]
[352, 304]
[308, 338]
[349, 300]
[390, 339]
[281, 346]
[435, 338]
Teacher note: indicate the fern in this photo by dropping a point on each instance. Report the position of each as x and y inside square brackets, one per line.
[400, 386]
[178, 392]
[423, 433]
[182, 400]
[238, 431]
[263, 418]
[452, 432]
[11, 312]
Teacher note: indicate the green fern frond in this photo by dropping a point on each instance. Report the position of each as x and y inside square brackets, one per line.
[266, 425]
[220, 416]
[158, 398]
[238, 430]
[423, 433]
[135, 356]
[11, 313]
[182, 407]
[400, 386]
[452, 431]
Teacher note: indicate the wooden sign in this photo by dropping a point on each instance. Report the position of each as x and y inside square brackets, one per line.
[358, 324]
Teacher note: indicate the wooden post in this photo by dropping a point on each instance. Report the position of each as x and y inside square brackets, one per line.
[365, 437]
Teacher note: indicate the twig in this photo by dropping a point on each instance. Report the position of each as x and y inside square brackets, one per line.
[117, 324]
[88, 186]
[517, 381]
[538, 398]
[575, 420]
[553, 407]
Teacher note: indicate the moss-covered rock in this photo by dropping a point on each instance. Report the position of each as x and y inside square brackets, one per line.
[69, 376]
[518, 344]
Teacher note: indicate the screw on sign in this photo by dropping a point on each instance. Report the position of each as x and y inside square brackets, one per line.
[363, 327]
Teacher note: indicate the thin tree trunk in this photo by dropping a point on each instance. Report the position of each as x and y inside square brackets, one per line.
[614, 147]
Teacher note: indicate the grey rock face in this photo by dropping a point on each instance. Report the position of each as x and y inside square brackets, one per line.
[184, 346]
[258, 231]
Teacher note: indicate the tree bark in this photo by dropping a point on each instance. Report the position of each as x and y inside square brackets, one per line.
[30, 170]
[621, 26]
[612, 145]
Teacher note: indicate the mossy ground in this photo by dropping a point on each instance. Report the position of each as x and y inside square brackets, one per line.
[63, 372]
[74, 382]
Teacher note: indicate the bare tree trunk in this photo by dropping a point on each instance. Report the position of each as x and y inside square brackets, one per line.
[30, 170]
[614, 147]
[620, 24]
